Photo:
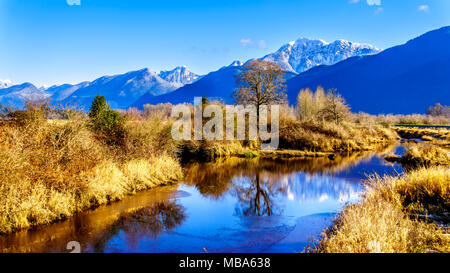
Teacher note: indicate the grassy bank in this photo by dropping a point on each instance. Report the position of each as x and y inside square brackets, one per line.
[51, 170]
[440, 137]
[387, 217]
[329, 137]
[419, 155]
[398, 214]
[425, 155]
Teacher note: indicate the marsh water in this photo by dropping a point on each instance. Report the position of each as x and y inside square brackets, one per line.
[232, 205]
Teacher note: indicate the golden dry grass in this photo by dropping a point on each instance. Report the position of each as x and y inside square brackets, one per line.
[329, 137]
[50, 170]
[425, 155]
[385, 220]
[440, 137]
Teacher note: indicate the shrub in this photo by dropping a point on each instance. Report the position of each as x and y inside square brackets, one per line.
[51, 170]
[107, 123]
[34, 114]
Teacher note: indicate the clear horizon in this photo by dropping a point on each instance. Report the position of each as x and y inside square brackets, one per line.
[70, 41]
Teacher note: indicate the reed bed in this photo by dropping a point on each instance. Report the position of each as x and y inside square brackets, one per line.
[387, 218]
[51, 170]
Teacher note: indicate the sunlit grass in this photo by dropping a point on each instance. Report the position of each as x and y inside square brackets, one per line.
[425, 155]
[50, 170]
[329, 137]
[386, 220]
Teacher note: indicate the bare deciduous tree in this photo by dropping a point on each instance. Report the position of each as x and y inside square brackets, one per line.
[318, 106]
[438, 110]
[336, 108]
[310, 104]
[260, 83]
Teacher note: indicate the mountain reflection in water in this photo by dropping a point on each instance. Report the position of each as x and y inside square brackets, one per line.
[231, 205]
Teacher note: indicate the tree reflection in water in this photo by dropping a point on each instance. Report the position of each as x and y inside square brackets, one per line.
[261, 185]
[143, 222]
[257, 196]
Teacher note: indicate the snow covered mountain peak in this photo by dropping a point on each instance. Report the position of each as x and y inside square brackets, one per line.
[18, 94]
[179, 76]
[5, 83]
[302, 54]
[306, 41]
[146, 71]
[236, 63]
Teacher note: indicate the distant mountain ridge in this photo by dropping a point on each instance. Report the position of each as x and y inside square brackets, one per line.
[5, 83]
[403, 79]
[216, 85]
[136, 87]
[16, 95]
[179, 76]
[303, 54]
[62, 92]
[120, 90]
[294, 57]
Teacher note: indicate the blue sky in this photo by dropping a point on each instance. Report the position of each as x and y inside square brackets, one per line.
[58, 41]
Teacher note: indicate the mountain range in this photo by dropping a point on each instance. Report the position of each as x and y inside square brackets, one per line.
[374, 81]
[402, 79]
[217, 85]
[303, 54]
[16, 95]
[119, 90]
[294, 57]
[122, 90]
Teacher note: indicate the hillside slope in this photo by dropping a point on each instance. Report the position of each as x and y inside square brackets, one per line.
[403, 79]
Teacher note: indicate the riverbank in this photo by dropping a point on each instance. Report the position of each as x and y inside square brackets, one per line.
[422, 155]
[298, 139]
[407, 213]
[225, 190]
[53, 169]
[50, 171]
[387, 218]
[439, 137]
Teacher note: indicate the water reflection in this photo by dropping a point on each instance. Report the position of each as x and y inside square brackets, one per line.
[233, 205]
[140, 223]
[87, 228]
[260, 184]
[256, 196]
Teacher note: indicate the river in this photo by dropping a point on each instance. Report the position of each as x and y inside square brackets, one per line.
[232, 205]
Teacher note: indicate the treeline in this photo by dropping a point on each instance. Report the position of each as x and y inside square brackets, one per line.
[321, 105]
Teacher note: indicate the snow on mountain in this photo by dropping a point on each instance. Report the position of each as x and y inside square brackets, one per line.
[235, 63]
[303, 54]
[403, 79]
[5, 83]
[16, 95]
[122, 90]
[125, 89]
[179, 76]
[61, 92]
[216, 85]
[44, 87]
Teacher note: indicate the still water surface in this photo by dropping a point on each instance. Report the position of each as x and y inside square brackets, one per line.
[233, 205]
